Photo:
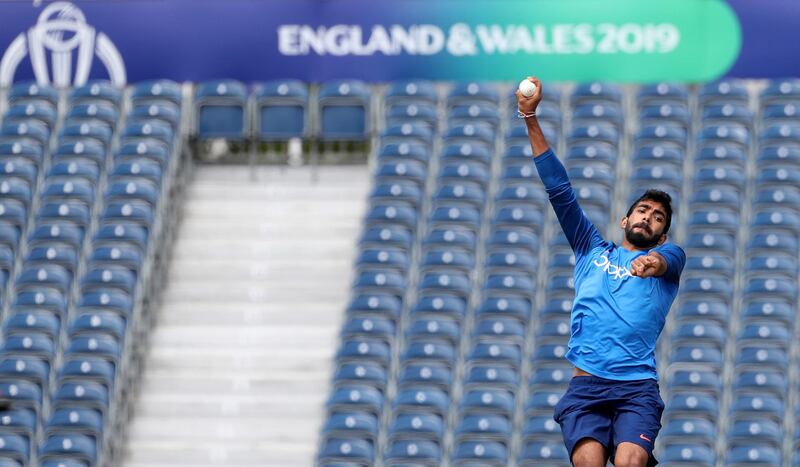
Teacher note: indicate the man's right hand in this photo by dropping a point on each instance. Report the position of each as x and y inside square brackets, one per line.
[528, 105]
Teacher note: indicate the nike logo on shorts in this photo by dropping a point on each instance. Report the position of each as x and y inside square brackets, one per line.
[645, 438]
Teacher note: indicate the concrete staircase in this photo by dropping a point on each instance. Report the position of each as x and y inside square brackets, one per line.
[241, 354]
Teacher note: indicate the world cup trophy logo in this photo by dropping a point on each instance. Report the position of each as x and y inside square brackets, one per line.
[62, 30]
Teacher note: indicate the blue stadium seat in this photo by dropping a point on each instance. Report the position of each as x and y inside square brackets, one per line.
[764, 333]
[781, 112]
[417, 425]
[724, 90]
[519, 215]
[693, 404]
[388, 214]
[720, 176]
[514, 283]
[405, 151]
[18, 168]
[544, 452]
[351, 449]
[46, 299]
[412, 112]
[150, 129]
[698, 332]
[411, 91]
[28, 364]
[551, 376]
[662, 133]
[96, 90]
[727, 112]
[719, 195]
[707, 287]
[754, 454]
[542, 402]
[698, 355]
[369, 326]
[344, 108]
[76, 420]
[595, 132]
[76, 446]
[481, 452]
[495, 352]
[429, 351]
[427, 374]
[470, 132]
[409, 170]
[455, 215]
[469, 92]
[466, 192]
[356, 397]
[494, 305]
[80, 150]
[468, 152]
[514, 238]
[44, 113]
[408, 132]
[602, 111]
[771, 286]
[446, 282]
[541, 428]
[487, 401]
[592, 152]
[15, 447]
[153, 150]
[778, 176]
[725, 133]
[74, 131]
[383, 258]
[658, 153]
[448, 258]
[37, 321]
[361, 350]
[281, 110]
[221, 110]
[762, 356]
[474, 112]
[29, 91]
[491, 375]
[584, 175]
[512, 261]
[662, 92]
[156, 91]
[596, 92]
[97, 322]
[716, 153]
[759, 405]
[450, 236]
[781, 89]
[756, 431]
[523, 192]
[437, 327]
[768, 308]
[422, 399]
[95, 111]
[697, 430]
[361, 373]
[715, 264]
[414, 450]
[30, 130]
[780, 133]
[687, 453]
[665, 112]
[441, 304]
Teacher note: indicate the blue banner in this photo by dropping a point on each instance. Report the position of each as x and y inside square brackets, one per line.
[66, 43]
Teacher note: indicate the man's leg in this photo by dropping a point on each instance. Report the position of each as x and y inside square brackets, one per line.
[630, 455]
[589, 453]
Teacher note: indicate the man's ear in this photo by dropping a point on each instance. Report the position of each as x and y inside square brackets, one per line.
[662, 239]
[624, 222]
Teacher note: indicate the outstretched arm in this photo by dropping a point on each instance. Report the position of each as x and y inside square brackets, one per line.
[581, 233]
[665, 260]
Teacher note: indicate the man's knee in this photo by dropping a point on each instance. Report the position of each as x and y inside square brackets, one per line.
[630, 455]
[589, 453]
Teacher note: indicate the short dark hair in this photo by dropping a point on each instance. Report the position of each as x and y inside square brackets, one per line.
[661, 197]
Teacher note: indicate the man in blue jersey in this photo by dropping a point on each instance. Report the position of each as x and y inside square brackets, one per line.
[612, 408]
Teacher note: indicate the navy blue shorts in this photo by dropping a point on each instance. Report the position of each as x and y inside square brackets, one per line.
[611, 412]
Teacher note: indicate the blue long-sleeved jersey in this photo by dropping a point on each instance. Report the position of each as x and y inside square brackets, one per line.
[616, 317]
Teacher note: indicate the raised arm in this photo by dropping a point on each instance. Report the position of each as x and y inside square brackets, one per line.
[581, 233]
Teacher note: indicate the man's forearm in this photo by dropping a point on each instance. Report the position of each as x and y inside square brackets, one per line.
[535, 135]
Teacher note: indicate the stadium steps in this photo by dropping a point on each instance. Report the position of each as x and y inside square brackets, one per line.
[241, 353]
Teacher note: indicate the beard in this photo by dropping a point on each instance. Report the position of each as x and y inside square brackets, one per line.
[644, 238]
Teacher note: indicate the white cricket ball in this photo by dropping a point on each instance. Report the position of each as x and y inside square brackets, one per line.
[527, 88]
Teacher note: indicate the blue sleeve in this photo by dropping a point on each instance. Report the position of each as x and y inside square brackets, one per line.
[581, 233]
[675, 258]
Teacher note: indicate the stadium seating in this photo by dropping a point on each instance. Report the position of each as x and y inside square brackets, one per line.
[87, 201]
[477, 289]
